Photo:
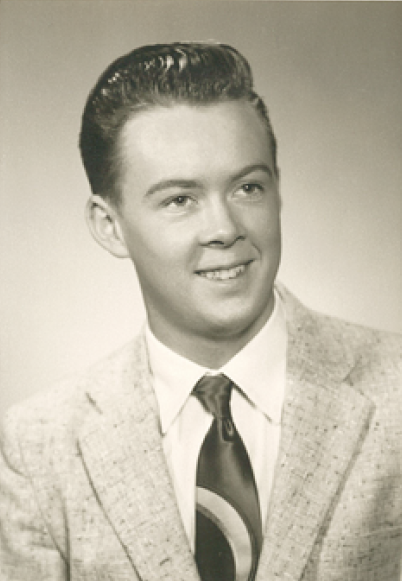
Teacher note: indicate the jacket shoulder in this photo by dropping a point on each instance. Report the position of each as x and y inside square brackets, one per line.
[371, 357]
[353, 336]
[373, 348]
[63, 407]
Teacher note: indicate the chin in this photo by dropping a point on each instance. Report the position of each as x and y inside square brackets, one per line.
[235, 325]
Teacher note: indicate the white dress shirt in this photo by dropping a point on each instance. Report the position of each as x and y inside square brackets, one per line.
[259, 372]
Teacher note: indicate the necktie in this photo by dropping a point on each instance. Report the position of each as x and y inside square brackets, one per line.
[228, 532]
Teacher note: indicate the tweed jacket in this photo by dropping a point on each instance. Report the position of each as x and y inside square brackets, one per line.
[85, 492]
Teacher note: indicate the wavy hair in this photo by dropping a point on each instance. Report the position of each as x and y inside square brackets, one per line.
[158, 75]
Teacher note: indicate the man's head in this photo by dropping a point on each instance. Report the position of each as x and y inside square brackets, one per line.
[158, 75]
[182, 162]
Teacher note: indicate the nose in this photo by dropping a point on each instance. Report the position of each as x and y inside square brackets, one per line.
[222, 224]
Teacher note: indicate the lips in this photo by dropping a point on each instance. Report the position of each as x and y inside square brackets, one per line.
[223, 274]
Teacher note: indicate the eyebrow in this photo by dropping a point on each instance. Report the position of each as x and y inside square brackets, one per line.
[191, 184]
[166, 184]
[252, 168]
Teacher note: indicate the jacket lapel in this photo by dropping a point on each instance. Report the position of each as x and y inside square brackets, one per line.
[122, 449]
[323, 425]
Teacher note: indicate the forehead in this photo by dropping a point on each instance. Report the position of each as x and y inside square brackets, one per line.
[189, 137]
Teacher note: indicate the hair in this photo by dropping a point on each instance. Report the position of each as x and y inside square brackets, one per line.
[158, 75]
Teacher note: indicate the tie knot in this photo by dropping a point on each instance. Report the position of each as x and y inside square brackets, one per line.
[214, 392]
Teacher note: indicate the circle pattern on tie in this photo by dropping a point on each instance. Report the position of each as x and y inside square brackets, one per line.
[222, 514]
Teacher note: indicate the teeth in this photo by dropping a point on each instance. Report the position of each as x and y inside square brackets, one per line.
[224, 274]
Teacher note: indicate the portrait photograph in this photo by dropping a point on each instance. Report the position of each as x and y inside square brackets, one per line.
[200, 290]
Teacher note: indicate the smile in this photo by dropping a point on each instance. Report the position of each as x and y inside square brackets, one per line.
[223, 274]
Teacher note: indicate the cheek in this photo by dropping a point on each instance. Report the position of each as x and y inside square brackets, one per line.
[158, 252]
[264, 229]
[142, 244]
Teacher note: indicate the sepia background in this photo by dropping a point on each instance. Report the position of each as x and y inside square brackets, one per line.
[331, 76]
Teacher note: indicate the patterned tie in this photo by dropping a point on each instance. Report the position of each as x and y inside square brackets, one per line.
[228, 534]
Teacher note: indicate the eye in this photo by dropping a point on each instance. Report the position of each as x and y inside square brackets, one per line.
[252, 188]
[250, 192]
[179, 202]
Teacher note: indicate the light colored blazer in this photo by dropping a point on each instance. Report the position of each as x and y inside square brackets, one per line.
[85, 493]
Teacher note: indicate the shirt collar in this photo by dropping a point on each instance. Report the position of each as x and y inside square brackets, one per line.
[258, 370]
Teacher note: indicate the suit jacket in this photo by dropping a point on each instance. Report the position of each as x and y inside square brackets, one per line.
[85, 492]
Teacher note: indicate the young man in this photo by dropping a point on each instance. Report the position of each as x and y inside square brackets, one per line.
[241, 436]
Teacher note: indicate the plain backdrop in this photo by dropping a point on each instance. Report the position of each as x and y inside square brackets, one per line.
[331, 76]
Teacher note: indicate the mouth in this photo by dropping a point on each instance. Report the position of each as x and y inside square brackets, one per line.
[223, 273]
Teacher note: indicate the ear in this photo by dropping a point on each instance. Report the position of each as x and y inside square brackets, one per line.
[102, 221]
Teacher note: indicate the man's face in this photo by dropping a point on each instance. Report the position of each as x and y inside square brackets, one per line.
[200, 218]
